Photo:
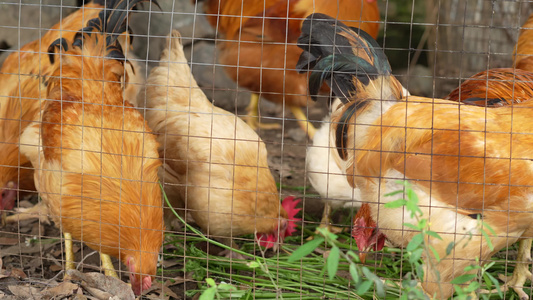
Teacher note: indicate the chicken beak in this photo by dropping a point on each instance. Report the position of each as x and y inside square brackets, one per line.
[362, 257]
[363, 253]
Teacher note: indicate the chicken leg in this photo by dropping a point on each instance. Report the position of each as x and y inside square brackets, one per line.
[252, 118]
[38, 211]
[307, 127]
[107, 265]
[521, 272]
[69, 254]
[326, 222]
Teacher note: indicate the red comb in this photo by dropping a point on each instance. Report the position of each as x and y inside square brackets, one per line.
[266, 240]
[289, 204]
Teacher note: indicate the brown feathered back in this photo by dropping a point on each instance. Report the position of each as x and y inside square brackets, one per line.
[22, 76]
[495, 87]
[97, 168]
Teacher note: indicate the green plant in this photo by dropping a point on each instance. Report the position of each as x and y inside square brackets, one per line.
[307, 272]
[219, 291]
[419, 246]
[357, 272]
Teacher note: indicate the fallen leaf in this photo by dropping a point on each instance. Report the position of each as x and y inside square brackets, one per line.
[5, 241]
[24, 291]
[62, 290]
[177, 280]
[23, 249]
[104, 283]
[163, 290]
[55, 268]
[18, 273]
[96, 292]
[37, 229]
[171, 263]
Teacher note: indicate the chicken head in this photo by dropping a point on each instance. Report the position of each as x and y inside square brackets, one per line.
[285, 228]
[366, 234]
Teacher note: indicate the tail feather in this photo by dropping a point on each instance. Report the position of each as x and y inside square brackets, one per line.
[111, 22]
[345, 58]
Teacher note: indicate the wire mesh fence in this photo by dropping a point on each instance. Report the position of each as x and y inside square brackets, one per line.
[232, 149]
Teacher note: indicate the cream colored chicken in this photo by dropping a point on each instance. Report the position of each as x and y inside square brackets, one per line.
[215, 165]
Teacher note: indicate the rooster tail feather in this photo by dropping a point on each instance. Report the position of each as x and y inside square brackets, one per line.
[348, 59]
[338, 72]
[59, 44]
[112, 22]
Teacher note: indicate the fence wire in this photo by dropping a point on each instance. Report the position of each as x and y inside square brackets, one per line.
[199, 160]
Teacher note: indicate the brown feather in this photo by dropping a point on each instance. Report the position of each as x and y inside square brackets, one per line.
[22, 76]
[260, 48]
[522, 55]
[97, 169]
[502, 86]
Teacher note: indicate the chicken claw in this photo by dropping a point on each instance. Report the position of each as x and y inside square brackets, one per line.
[326, 222]
[38, 211]
[521, 273]
[252, 118]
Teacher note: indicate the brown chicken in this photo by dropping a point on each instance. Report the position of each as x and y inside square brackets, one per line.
[495, 87]
[96, 161]
[215, 166]
[464, 162]
[259, 47]
[523, 54]
[22, 75]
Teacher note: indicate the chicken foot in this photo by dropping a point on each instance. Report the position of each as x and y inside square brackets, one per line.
[38, 211]
[252, 118]
[326, 222]
[521, 272]
[307, 127]
[107, 265]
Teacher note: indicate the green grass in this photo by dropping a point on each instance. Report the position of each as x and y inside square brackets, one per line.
[268, 275]
[306, 278]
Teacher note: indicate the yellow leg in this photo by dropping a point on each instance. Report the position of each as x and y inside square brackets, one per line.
[38, 211]
[69, 255]
[3, 220]
[326, 222]
[107, 265]
[521, 272]
[303, 122]
[252, 118]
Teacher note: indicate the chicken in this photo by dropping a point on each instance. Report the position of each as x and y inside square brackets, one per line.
[259, 47]
[96, 160]
[215, 165]
[456, 157]
[22, 75]
[325, 175]
[523, 54]
[495, 87]
[491, 88]
[366, 233]
[327, 178]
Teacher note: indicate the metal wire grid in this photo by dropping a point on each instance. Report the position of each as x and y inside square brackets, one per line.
[482, 45]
